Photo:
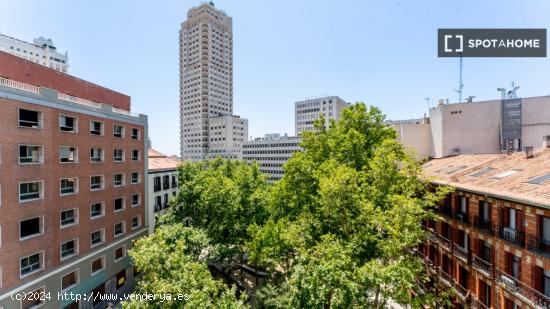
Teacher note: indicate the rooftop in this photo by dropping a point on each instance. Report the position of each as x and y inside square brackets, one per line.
[507, 176]
[159, 161]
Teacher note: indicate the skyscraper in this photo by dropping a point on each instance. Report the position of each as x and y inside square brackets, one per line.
[206, 81]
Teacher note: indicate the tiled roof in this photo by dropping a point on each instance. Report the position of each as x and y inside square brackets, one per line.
[508, 176]
[159, 161]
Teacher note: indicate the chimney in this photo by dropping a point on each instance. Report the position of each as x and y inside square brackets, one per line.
[528, 152]
[546, 141]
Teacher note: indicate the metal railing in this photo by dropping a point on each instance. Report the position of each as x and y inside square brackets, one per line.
[478, 304]
[460, 252]
[18, 85]
[445, 243]
[511, 235]
[515, 286]
[482, 265]
[538, 245]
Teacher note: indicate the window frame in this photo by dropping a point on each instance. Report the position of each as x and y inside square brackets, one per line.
[102, 233]
[102, 128]
[102, 203]
[76, 218]
[40, 123]
[61, 194]
[92, 272]
[75, 126]
[40, 263]
[77, 272]
[40, 227]
[40, 157]
[76, 154]
[76, 249]
[40, 191]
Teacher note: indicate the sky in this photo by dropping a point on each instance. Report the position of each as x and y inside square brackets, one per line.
[382, 52]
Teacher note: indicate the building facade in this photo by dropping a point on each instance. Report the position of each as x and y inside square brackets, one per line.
[41, 51]
[491, 245]
[226, 137]
[309, 110]
[163, 182]
[271, 153]
[206, 79]
[72, 183]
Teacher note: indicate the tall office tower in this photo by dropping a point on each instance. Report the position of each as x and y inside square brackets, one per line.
[308, 110]
[41, 51]
[73, 173]
[206, 77]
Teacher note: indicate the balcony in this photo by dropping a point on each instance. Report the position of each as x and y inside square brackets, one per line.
[445, 243]
[460, 252]
[482, 265]
[462, 292]
[511, 235]
[462, 217]
[538, 245]
[483, 224]
[522, 290]
[477, 304]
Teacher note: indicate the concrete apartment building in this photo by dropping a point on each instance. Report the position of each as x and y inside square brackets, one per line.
[41, 51]
[72, 183]
[163, 182]
[226, 137]
[271, 153]
[309, 110]
[479, 127]
[206, 82]
[492, 244]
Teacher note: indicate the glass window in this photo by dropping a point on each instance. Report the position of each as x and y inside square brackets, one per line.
[68, 217]
[67, 124]
[30, 264]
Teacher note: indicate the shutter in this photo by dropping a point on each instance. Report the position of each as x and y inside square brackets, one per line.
[520, 224]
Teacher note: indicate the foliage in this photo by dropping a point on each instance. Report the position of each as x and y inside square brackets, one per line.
[170, 261]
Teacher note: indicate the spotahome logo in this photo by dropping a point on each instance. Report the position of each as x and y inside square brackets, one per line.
[491, 42]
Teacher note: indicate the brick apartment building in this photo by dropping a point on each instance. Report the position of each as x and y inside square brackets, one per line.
[492, 244]
[73, 167]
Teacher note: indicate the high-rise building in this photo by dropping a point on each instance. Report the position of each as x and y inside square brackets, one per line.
[206, 78]
[309, 110]
[271, 153]
[41, 51]
[73, 173]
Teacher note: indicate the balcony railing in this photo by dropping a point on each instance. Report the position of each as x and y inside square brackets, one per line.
[482, 224]
[477, 304]
[538, 245]
[462, 217]
[445, 243]
[72, 99]
[511, 235]
[463, 292]
[517, 287]
[18, 85]
[460, 252]
[482, 265]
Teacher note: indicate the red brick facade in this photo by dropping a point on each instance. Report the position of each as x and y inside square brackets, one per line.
[50, 172]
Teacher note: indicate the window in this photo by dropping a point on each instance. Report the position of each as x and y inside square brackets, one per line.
[119, 229]
[99, 290]
[96, 155]
[135, 133]
[165, 200]
[118, 155]
[119, 204]
[97, 237]
[505, 174]
[157, 184]
[30, 119]
[68, 154]
[69, 280]
[166, 182]
[135, 177]
[96, 182]
[67, 124]
[135, 155]
[136, 200]
[136, 222]
[36, 299]
[98, 265]
[174, 181]
[120, 252]
[30, 228]
[96, 127]
[68, 217]
[158, 203]
[31, 154]
[30, 264]
[96, 210]
[118, 180]
[69, 249]
[120, 279]
[29, 191]
[69, 186]
[118, 131]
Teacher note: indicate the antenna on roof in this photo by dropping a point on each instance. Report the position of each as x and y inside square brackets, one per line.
[460, 84]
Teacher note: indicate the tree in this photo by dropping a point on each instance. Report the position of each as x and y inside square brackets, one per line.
[171, 263]
[352, 201]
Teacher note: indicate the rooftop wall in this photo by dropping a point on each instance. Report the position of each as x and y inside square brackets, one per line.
[21, 70]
